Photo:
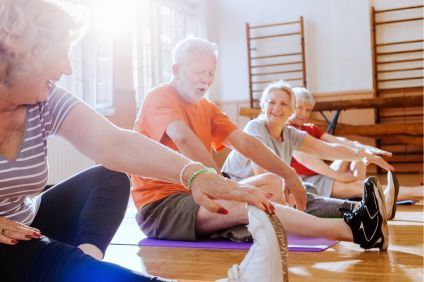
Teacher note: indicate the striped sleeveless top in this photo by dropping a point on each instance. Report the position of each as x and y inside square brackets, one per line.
[26, 176]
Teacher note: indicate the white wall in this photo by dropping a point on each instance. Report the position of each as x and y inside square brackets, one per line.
[337, 39]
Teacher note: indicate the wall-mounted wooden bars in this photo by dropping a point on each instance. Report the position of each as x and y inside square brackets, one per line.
[285, 61]
[397, 69]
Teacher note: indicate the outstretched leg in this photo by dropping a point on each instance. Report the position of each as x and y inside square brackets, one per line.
[300, 223]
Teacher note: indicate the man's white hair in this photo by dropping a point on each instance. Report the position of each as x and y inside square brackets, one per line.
[192, 45]
[303, 95]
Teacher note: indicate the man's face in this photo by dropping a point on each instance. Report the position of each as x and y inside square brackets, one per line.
[193, 77]
[302, 113]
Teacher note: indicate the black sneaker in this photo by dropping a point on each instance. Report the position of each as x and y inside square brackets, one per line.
[368, 221]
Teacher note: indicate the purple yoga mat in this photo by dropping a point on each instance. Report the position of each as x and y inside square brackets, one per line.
[296, 244]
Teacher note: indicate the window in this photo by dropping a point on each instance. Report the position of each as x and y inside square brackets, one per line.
[161, 25]
[74, 83]
[98, 71]
[92, 62]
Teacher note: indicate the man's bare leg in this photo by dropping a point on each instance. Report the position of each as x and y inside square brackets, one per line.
[294, 222]
[355, 190]
[343, 190]
[358, 168]
[370, 215]
[268, 182]
[340, 166]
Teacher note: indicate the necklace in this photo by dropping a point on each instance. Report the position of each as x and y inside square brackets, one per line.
[275, 146]
[272, 140]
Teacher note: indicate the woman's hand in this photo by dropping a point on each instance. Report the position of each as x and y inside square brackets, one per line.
[378, 152]
[377, 160]
[11, 232]
[208, 187]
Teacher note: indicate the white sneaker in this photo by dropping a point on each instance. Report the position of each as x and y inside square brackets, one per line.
[391, 195]
[266, 260]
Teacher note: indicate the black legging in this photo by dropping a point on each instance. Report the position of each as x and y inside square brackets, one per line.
[86, 208]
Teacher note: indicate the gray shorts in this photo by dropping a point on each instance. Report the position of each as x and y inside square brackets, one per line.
[322, 183]
[171, 218]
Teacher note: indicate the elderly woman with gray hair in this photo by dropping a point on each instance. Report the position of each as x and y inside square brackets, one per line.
[62, 234]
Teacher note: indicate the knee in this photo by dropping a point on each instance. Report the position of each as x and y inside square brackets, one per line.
[359, 183]
[116, 182]
[273, 180]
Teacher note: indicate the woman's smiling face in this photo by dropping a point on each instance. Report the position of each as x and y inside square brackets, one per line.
[278, 107]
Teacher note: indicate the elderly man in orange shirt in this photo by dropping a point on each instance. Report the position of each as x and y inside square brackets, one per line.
[178, 115]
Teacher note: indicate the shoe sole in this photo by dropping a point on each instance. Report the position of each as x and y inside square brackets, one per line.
[282, 243]
[280, 236]
[378, 190]
[396, 184]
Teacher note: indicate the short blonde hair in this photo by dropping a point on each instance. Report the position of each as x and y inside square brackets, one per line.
[192, 45]
[303, 95]
[30, 30]
[279, 85]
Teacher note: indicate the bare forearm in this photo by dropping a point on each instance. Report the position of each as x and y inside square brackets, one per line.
[263, 157]
[315, 164]
[189, 143]
[338, 152]
[327, 151]
[134, 153]
[333, 151]
[196, 151]
[350, 143]
[344, 141]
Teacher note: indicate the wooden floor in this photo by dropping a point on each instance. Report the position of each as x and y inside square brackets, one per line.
[344, 262]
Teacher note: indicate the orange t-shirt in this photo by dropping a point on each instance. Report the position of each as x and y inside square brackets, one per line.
[161, 107]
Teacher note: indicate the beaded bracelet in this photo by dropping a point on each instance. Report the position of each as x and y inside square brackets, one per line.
[184, 169]
[197, 173]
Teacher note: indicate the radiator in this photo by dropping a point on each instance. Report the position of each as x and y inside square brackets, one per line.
[64, 160]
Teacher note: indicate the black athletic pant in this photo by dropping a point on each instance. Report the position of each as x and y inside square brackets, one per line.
[86, 208]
